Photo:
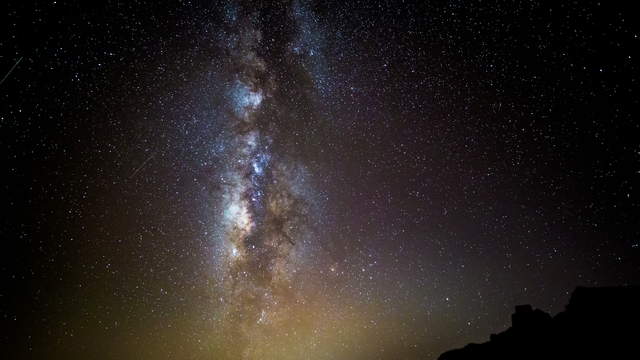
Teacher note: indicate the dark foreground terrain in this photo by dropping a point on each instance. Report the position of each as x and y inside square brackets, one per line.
[598, 323]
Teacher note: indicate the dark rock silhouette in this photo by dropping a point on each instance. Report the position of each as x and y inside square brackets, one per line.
[598, 323]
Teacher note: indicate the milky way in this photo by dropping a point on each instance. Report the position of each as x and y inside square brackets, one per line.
[263, 200]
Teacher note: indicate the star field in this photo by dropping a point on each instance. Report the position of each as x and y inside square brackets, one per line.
[306, 179]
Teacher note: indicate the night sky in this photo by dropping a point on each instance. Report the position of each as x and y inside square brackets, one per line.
[309, 180]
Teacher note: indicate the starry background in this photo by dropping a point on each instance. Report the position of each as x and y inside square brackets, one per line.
[321, 180]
